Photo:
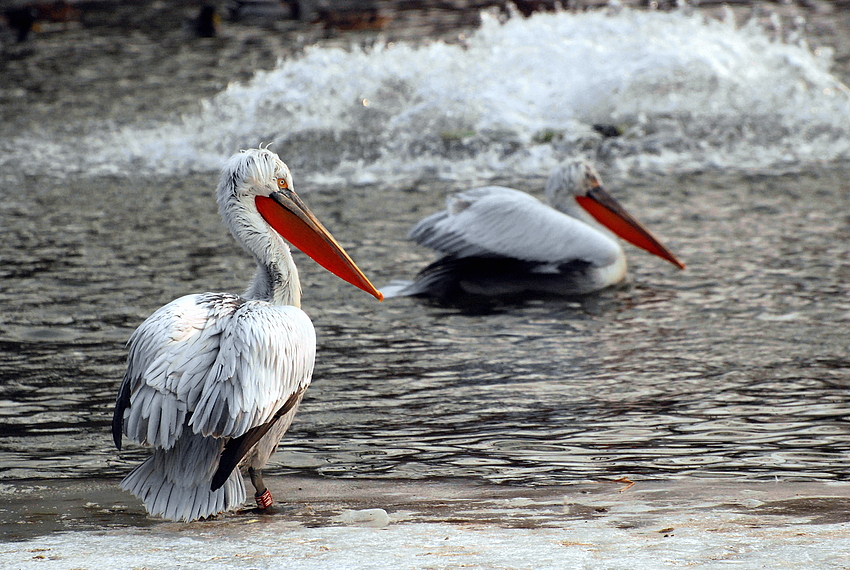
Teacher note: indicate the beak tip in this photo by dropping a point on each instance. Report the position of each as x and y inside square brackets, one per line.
[667, 256]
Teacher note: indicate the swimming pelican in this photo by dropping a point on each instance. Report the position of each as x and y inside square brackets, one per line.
[214, 379]
[500, 241]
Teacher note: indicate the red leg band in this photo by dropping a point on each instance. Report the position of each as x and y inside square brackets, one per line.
[264, 500]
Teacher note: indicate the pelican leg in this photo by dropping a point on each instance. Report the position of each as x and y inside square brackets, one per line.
[262, 494]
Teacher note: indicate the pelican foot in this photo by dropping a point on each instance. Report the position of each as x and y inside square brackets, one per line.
[258, 512]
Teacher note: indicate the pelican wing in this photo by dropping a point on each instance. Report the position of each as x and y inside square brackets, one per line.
[236, 448]
[265, 356]
[494, 221]
[214, 362]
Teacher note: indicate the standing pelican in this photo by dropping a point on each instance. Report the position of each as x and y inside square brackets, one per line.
[500, 241]
[214, 379]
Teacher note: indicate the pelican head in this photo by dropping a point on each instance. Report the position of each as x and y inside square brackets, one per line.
[257, 201]
[578, 182]
[566, 183]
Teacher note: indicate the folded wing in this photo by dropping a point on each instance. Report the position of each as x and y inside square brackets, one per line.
[494, 221]
[214, 364]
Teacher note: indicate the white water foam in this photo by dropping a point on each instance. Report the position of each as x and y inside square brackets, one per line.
[517, 98]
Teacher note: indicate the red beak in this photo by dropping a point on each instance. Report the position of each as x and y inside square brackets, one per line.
[608, 212]
[289, 216]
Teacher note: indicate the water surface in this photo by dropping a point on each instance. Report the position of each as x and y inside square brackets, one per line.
[736, 366]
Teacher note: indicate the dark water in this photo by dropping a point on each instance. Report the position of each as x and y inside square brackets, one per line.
[737, 366]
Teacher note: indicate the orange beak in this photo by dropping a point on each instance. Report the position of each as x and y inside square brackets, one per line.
[289, 216]
[608, 212]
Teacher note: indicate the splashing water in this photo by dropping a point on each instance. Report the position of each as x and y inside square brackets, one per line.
[516, 98]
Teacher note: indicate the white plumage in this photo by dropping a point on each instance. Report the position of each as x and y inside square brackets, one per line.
[498, 240]
[231, 362]
[214, 379]
[499, 221]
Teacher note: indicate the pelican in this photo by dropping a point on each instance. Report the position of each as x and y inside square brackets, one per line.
[213, 380]
[500, 241]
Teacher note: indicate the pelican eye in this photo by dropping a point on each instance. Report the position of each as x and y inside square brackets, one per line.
[282, 184]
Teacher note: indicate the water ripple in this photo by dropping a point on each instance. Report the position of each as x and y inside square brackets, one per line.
[735, 367]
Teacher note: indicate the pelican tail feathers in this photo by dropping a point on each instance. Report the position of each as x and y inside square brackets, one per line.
[175, 483]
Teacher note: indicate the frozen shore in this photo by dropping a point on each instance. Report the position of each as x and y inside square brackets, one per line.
[338, 523]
